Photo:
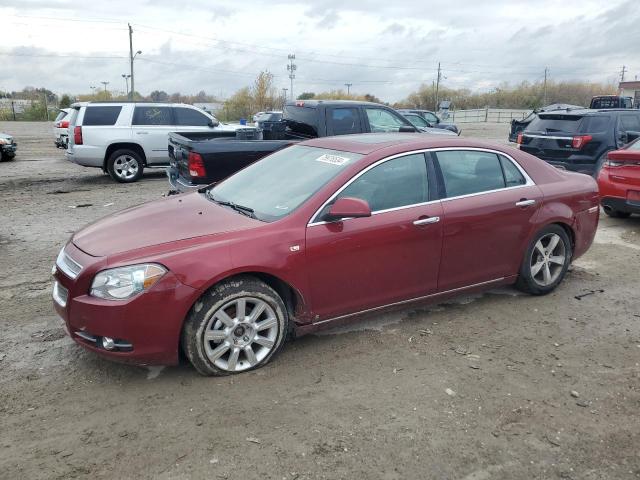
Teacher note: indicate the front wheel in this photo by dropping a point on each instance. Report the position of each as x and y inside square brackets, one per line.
[546, 261]
[125, 166]
[237, 325]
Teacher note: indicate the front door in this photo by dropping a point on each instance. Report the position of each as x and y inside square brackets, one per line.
[488, 213]
[361, 263]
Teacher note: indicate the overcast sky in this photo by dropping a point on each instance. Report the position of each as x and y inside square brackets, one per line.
[384, 47]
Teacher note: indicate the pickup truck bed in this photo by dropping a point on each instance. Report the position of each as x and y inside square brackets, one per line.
[218, 156]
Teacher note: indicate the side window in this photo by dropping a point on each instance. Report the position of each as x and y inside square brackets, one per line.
[396, 183]
[630, 123]
[189, 117]
[101, 115]
[431, 118]
[152, 116]
[384, 121]
[467, 171]
[345, 121]
[513, 177]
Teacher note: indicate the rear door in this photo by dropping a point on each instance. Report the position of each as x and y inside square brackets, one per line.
[150, 127]
[343, 121]
[488, 210]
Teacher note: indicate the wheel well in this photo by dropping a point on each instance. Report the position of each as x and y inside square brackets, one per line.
[290, 296]
[570, 233]
[117, 146]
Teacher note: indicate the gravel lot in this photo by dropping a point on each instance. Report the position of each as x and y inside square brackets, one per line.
[477, 388]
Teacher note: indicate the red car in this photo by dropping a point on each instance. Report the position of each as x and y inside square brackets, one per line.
[619, 181]
[314, 235]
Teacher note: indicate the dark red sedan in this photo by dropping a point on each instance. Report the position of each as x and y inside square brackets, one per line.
[619, 181]
[314, 235]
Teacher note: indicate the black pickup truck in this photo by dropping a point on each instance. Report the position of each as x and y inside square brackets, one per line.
[198, 159]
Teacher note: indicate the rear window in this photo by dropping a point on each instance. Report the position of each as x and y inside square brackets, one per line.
[550, 125]
[101, 115]
[594, 124]
[60, 116]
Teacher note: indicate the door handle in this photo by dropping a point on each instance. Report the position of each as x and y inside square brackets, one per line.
[426, 221]
[525, 203]
[142, 133]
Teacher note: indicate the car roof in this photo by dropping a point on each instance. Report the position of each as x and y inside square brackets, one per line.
[366, 143]
[583, 112]
[315, 103]
[126, 102]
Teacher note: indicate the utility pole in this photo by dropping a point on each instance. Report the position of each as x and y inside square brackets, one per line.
[292, 67]
[46, 107]
[105, 86]
[546, 74]
[437, 86]
[131, 60]
[348, 85]
[624, 70]
[284, 96]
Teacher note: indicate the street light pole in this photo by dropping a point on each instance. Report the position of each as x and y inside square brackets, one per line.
[348, 85]
[105, 86]
[126, 82]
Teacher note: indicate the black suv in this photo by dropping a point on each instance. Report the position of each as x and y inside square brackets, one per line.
[579, 140]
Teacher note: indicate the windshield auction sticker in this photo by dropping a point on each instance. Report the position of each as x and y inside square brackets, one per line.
[332, 159]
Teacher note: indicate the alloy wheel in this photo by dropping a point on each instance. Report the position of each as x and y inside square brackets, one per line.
[240, 334]
[547, 259]
[126, 167]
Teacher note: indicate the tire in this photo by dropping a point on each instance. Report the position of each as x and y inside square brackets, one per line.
[217, 342]
[7, 158]
[125, 166]
[542, 269]
[616, 213]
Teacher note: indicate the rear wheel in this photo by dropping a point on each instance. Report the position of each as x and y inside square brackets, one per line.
[236, 326]
[546, 261]
[125, 166]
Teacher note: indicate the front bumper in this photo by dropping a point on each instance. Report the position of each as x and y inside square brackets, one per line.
[9, 150]
[146, 328]
[179, 184]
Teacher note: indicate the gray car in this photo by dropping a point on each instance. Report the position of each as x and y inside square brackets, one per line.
[8, 147]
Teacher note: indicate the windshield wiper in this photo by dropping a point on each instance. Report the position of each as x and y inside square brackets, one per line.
[248, 211]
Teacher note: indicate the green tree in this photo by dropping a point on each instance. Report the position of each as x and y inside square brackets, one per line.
[306, 96]
[65, 101]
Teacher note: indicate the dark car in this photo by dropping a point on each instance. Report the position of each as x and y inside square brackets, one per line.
[315, 235]
[518, 126]
[431, 118]
[611, 101]
[199, 159]
[579, 140]
[8, 147]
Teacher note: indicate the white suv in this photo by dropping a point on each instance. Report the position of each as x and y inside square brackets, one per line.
[123, 138]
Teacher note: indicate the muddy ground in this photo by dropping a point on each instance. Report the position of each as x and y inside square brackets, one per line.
[478, 388]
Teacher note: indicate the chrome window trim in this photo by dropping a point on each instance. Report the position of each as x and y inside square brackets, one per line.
[528, 180]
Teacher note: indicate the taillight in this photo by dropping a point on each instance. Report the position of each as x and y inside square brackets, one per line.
[519, 140]
[77, 135]
[63, 124]
[580, 141]
[196, 165]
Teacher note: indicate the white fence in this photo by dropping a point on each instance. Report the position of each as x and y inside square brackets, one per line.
[490, 115]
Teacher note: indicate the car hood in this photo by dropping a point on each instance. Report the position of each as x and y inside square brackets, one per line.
[5, 136]
[175, 218]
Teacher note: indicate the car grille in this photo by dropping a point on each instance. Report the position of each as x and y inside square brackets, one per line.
[68, 265]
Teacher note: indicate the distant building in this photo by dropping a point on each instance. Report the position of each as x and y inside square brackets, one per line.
[631, 89]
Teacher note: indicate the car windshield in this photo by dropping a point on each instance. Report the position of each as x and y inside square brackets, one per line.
[275, 186]
[417, 120]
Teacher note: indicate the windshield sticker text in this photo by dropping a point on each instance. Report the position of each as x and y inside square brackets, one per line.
[332, 159]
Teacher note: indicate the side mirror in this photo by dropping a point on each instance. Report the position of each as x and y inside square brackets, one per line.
[407, 129]
[213, 123]
[348, 207]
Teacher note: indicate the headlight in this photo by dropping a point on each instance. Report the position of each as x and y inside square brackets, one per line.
[4, 141]
[125, 282]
